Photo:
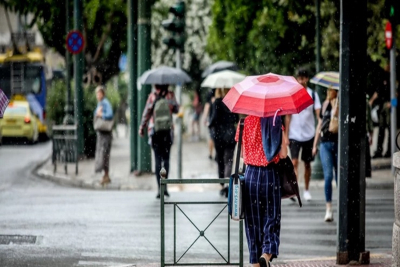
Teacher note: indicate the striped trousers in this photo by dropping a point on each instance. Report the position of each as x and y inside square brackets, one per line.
[262, 211]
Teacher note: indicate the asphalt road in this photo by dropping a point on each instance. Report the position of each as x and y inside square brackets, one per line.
[43, 224]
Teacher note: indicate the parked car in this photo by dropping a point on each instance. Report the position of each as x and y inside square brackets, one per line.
[19, 121]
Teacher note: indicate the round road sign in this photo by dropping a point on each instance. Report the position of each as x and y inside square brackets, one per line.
[388, 35]
[75, 42]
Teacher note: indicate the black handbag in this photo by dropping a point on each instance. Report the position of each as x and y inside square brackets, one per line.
[236, 185]
[288, 179]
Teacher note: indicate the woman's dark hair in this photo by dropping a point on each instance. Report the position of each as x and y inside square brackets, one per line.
[162, 87]
[303, 73]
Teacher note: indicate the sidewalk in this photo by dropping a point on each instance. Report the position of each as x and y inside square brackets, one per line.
[195, 164]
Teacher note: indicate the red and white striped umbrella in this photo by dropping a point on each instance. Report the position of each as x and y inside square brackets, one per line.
[267, 95]
[3, 103]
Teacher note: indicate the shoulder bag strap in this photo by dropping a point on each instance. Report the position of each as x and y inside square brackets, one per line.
[241, 126]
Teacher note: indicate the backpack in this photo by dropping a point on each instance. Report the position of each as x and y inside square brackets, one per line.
[162, 115]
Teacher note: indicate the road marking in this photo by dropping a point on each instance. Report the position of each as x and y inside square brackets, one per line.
[101, 263]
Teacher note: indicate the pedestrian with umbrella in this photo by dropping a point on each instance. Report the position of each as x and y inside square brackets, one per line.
[157, 115]
[329, 138]
[265, 99]
[222, 121]
[328, 147]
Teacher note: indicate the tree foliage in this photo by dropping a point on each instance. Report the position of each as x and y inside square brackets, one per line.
[198, 20]
[279, 36]
[105, 28]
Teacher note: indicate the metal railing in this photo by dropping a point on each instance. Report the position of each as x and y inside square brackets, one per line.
[201, 232]
[65, 149]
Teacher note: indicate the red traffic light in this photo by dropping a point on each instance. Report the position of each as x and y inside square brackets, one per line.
[388, 35]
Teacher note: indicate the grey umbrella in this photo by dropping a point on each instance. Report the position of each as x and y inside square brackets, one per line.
[218, 66]
[164, 75]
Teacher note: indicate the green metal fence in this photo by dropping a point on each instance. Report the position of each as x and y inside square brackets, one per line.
[201, 232]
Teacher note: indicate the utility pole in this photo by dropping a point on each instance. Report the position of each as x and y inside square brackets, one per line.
[68, 119]
[178, 89]
[317, 171]
[352, 133]
[393, 97]
[176, 41]
[78, 72]
[132, 63]
[144, 63]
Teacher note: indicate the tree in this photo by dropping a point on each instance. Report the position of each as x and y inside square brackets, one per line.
[105, 29]
[279, 35]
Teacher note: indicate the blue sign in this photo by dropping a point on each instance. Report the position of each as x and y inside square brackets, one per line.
[75, 42]
[123, 63]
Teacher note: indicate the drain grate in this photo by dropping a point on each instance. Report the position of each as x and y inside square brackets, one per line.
[17, 239]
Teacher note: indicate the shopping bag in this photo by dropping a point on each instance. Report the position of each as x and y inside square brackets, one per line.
[236, 185]
[235, 197]
[100, 124]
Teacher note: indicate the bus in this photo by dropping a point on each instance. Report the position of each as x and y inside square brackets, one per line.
[24, 77]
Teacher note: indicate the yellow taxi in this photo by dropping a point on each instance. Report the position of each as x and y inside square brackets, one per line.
[19, 121]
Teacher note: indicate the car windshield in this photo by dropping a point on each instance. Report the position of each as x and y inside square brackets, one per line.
[15, 110]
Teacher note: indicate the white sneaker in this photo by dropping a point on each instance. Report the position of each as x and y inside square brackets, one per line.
[307, 195]
[329, 216]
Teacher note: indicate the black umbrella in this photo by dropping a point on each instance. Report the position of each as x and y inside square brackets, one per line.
[218, 66]
[164, 75]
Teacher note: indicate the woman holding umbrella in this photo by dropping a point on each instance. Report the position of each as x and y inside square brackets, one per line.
[328, 146]
[264, 98]
[329, 139]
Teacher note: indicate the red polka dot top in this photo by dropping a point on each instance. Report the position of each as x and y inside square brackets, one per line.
[252, 148]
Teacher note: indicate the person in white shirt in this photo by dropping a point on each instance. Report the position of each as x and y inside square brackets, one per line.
[301, 131]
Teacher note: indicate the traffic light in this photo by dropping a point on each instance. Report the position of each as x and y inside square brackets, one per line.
[392, 11]
[176, 26]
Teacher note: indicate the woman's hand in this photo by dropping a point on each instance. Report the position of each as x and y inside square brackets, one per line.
[285, 142]
[99, 112]
[314, 151]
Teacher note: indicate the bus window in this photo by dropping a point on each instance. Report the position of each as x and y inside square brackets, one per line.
[32, 79]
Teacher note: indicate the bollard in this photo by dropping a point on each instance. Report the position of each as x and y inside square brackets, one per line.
[396, 225]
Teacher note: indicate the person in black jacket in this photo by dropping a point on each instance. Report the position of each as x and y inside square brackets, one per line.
[223, 122]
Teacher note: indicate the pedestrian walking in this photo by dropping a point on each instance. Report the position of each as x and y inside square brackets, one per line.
[157, 117]
[262, 196]
[197, 110]
[206, 120]
[369, 137]
[328, 147]
[301, 130]
[104, 112]
[382, 97]
[223, 123]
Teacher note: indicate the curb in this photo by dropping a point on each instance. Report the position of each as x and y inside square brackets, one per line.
[66, 180]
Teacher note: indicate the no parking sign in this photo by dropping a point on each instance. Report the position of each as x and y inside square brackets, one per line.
[75, 42]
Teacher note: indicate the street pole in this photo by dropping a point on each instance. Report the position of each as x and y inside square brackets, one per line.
[317, 171]
[144, 63]
[68, 118]
[352, 133]
[132, 67]
[393, 97]
[78, 73]
[178, 89]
